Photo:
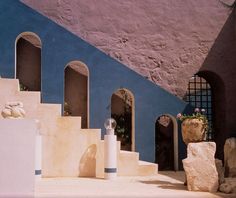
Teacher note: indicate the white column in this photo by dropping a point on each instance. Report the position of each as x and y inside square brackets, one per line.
[110, 156]
[38, 152]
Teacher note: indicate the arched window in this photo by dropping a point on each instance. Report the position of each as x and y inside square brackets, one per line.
[199, 95]
[28, 61]
[76, 94]
[122, 110]
[166, 143]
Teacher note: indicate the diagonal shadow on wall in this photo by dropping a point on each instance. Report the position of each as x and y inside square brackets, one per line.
[219, 69]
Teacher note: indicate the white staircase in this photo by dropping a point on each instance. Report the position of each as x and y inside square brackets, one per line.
[68, 150]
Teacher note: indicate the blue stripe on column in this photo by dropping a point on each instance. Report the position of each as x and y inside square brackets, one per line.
[110, 170]
[38, 172]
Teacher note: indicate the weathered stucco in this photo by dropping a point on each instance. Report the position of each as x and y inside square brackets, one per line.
[166, 41]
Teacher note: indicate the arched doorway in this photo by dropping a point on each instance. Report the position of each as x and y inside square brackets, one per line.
[122, 110]
[199, 95]
[76, 91]
[28, 61]
[216, 101]
[166, 143]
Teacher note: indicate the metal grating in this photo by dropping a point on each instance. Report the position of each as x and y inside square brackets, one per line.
[199, 95]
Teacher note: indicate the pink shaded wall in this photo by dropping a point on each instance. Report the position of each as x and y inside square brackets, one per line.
[165, 40]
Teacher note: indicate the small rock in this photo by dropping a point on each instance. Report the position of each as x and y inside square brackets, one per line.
[229, 186]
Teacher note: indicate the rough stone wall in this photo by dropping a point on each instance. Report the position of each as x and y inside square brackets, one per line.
[166, 41]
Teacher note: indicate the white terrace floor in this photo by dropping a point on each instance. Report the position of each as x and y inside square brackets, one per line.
[164, 184]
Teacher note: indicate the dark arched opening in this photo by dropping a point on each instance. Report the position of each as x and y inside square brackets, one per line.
[76, 91]
[164, 141]
[122, 110]
[28, 61]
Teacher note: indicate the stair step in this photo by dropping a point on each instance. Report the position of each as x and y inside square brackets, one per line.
[9, 85]
[147, 168]
[128, 163]
[28, 98]
[48, 114]
[69, 122]
[51, 109]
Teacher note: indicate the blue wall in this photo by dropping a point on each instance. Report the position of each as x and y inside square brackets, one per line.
[59, 47]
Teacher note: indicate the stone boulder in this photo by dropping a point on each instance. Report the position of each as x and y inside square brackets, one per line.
[221, 171]
[200, 167]
[230, 157]
[229, 186]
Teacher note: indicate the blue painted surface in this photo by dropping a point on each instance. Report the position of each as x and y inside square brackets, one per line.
[59, 47]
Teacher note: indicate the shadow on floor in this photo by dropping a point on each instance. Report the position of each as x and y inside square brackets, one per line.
[167, 185]
[168, 180]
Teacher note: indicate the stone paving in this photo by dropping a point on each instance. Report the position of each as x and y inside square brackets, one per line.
[164, 184]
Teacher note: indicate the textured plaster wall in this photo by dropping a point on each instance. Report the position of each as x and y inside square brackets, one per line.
[164, 40]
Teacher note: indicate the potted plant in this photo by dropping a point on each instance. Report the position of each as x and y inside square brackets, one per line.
[194, 127]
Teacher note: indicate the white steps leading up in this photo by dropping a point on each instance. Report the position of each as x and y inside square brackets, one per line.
[68, 150]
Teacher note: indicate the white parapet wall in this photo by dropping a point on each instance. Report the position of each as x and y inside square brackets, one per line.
[17, 157]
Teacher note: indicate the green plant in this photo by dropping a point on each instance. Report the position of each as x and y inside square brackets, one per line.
[123, 127]
[67, 111]
[123, 119]
[198, 114]
[23, 87]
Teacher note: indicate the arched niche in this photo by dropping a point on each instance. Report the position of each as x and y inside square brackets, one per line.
[123, 111]
[76, 93]
[199, 95]
[28, 61]
[166, 143]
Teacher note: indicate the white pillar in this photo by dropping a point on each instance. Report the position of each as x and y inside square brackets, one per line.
[38, 152]
[110, 155]
[110, 150]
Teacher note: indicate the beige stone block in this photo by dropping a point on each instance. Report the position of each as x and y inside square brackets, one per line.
[200, 167]
[67, 152]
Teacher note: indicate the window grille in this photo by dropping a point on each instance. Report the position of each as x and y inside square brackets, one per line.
[199, 95]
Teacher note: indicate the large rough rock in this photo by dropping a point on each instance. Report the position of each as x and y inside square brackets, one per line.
[158, 39]
[230, 157]
[200, 167]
